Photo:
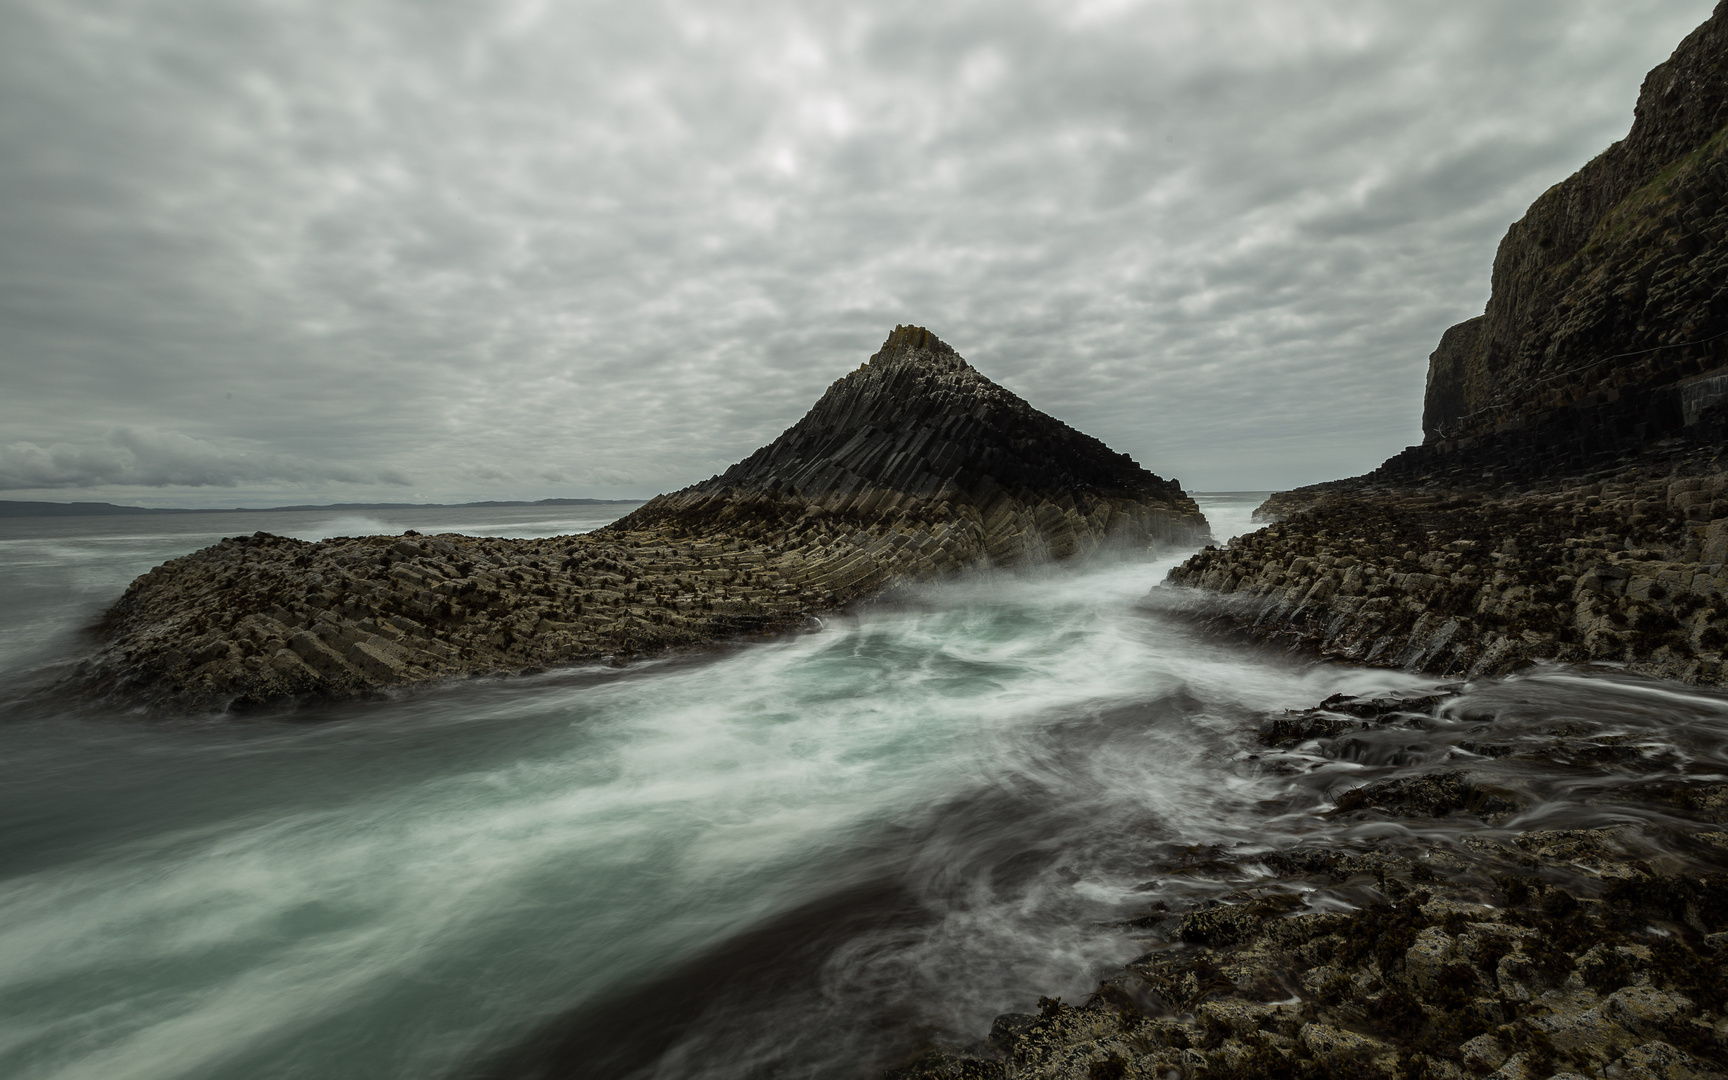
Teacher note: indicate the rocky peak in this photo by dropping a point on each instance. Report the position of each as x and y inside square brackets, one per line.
[912, 467]
[918, 431]
[913, 342]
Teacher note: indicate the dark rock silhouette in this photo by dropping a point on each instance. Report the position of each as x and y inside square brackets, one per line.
[918, 434]
[1604, 328]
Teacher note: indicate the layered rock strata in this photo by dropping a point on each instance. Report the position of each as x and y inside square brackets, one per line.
[1511, 954]
[1567, 504]
[1632, 570]
[913, 467]
[1606, 329]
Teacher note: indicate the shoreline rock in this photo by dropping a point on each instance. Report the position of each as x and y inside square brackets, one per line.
[1632, 571]
[1512, 954]
[911, 468]
[1567, 501]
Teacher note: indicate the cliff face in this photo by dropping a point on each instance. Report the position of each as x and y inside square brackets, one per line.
[1612, 291]
[1569, 502]
[912, 467]
[917, 434]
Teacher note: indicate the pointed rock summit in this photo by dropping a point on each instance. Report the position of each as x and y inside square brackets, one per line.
[917, 435]
[911, 467]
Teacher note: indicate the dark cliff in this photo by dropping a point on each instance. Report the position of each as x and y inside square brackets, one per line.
[1604, 332]
[1569, 502]
[917, 433]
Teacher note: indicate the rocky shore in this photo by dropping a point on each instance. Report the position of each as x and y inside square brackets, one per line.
[1631, 570]
[1568, 505]
[1567, 501]
[1436, 942]
[913, 467]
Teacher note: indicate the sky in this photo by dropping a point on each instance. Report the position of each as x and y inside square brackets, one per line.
[416, 250]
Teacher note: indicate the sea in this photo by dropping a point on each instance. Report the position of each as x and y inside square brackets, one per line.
[811, 856]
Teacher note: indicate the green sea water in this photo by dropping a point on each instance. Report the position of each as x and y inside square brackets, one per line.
[800, 857]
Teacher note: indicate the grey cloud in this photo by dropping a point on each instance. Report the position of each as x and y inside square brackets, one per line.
[533, 249]
[146, 458]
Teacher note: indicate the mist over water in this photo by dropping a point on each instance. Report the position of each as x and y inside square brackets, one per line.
[793, 858]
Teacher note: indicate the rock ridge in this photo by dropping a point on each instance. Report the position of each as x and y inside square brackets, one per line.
[1632, 571]
[914, 467]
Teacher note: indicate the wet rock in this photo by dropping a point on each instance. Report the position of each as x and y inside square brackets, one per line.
[1482, 1054]
[1340, 1050]
[941, 1066]
[1659, 1061]
[1644, 1010]
[1540, 580]
[1433, 794]
[1544, 953]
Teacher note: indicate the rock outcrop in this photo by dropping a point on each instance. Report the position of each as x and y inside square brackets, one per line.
[1565, 503]
[1512, 952]
[1568, 503]
[918, 436]
[912, 467]
[1633, 571]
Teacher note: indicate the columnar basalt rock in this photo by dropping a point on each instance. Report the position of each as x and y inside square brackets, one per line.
[913, 467]
[916, 439]
[1568, 504]
[1633, 570]
[1605, 326]
[1516, 952]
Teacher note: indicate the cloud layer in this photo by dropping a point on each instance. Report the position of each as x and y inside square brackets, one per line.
[533, 248]
[130, 457]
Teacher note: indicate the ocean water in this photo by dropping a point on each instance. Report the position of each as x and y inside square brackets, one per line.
[798, 858]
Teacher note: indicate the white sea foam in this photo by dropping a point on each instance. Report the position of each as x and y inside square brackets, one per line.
[343, 525]
[405, 887]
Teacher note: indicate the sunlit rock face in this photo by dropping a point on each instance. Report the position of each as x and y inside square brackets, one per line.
[913, 467]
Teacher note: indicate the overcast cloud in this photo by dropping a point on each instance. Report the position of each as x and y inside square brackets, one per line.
[307, 251]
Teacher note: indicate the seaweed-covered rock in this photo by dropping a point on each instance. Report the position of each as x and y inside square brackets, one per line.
[1428, 982]
[1433, 794]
